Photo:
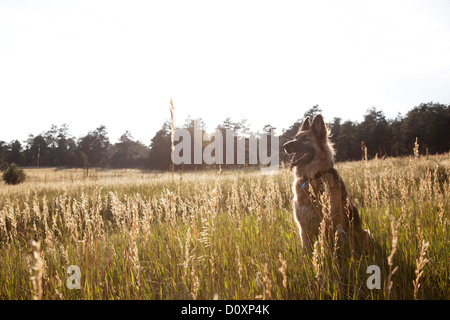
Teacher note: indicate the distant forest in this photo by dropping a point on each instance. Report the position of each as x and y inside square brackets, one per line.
[429, 122]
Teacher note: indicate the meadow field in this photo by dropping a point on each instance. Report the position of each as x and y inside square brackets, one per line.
[220, 234]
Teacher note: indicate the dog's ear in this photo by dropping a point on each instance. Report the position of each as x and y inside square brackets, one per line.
[305, 125]
[319, 129]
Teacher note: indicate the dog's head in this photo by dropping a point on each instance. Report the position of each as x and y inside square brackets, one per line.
[311, 149]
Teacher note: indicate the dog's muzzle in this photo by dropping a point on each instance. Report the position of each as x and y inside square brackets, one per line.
[301, 154]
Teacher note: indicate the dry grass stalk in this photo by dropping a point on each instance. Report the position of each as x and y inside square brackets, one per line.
[38, 266]
[416, 148]
[282, 269]
[421, 262]
[316, 259]
[187, 254]
[413, 162]
[239, 264]
[336, 243]
[326, 235]
[195, 284]
[391, 258]
[267, 283]
[366, 178]
[172, 122]
[134, 252]
[172, 139]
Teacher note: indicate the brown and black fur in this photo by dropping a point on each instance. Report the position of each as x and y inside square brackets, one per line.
[313, 164]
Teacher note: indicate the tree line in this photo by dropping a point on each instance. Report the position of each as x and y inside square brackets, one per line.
[428, 122]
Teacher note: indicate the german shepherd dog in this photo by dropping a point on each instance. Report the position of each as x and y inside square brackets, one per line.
[312, 161]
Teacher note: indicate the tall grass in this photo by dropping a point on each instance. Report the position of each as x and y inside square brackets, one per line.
[227, 235]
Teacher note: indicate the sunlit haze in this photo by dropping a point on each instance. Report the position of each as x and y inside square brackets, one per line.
[118, 63]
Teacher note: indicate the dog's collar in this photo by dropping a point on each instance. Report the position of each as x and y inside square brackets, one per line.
[317, 176]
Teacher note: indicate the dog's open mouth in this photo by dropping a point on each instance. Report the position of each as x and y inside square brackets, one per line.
[298, 157]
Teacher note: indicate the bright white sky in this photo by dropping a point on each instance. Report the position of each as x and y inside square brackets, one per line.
[118, 63]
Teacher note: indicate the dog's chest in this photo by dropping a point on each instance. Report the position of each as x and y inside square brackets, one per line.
[306, 205]
[305, 193]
